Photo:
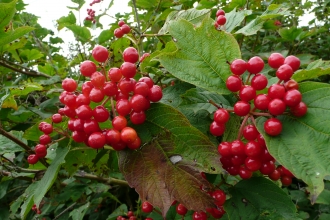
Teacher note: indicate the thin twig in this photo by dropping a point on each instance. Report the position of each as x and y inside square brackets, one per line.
[108, 181]
[65, 210]
[21, 69]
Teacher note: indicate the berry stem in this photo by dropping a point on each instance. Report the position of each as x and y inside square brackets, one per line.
[261, 114]
[253, 120]
[61, 132]
[213, 103]
[113, 108]
[279, 81]
[248, 79]
[240, 132]
[105, 101]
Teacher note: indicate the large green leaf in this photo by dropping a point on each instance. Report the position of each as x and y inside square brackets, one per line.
[66, 20]
[168, 166]
[303, 145]
[259, 198]
[313, 70]
[7, 11]
[256, 24]
[234, 18]
[192, 15]
[7, 37]
[81, 33]
[202, 55]
[25, 89]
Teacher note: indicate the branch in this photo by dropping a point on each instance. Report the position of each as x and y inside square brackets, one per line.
[108, 181]
[29, 72]
[21, 144]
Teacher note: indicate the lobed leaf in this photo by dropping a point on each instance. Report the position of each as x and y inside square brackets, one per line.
[303, 145]
[7, 12]
[7, 37]
[201, 56]
[315, 69]
[234, 18]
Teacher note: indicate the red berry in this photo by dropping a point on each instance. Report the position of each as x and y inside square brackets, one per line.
[238, 66]
[293, 62]
[253, 163]
[87, 88]
[276, 107]
[44, 139]
[84, 112]
[113, 136]
[110, 89]
[78, 124]
[125, 29]
[137, 117]
[70, 100]
[252, 149]
[123, 107]
[155, 93]
[255, 65]
[119, 146]
[47, 128]
[265, 155]
[96, 140]
[224, 149]
[131, 55]
[261, 102]
[70, 112]
[217, 129]
[98, 79]
[82, 99]
[238, 160]
[96, 95]
[242, 108]
[100, 113]
[292, 98]
[181, 209]
[199, 216]
[284, 72]
[147, 80]
[299, 110]
[261, 140]
[40, 150]
[69, 85]
[143, 57]
[245, 173]
[139, 103]
[128, 135]
[100, 53]
[247, 93]
[87, 68]
[291, 84]
[276, 91]
[276, 60]
[115, 74]
[273, 127]
[221, 116]
[147, 207]
[286, 180]
[238, 148]
[221, 20]
[118, 33]
[119, 122]
[126, 85]
[259, 82]
[141, 88]
[91, 126]
[57, 118]
[250, 132]
[128, 69]
[234, 83]
[32, 159]
[267, 168]
[275, 175]
[135, 144]
[219, 196]
[79, 136]
[233, 170]
[121, 23]
[220, 12]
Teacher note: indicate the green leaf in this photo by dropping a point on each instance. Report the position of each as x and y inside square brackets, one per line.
[79, 2]
[104, 36]
[303, 145]
[192, 15]
[51, 174]
[26, 89]
[4, 186]
[290, 34]
[172, 94]
[315, 69]
[324, 197]
[66, 20]
[7, 37]
[234, 18]
[259, 198]
[9, 102]
[79, 213]
[27, 197]
[256, 24]
[33, 54]
[7, 12]
[121, 210]
[232, 128]
[8, 146]
[81, 33]
[201, 56]
[52, 80]
[178, 150]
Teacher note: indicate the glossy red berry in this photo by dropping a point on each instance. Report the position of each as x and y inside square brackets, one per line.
[220, 12]
[40, 150]
[247, 93]
[242, 108]
[69, 85]
[221, 116]
[125, 28]
[96, 140]
[276, 107]
[128, 135]
[137, 117]
[181, 209]
[100, 113]
[221, 20]
[121, 23]
[147, 80]
[126, 85]
[79, 136]
[87, 88]
[253, 163]
[259, 81]
[291, 84]
[100, 53]
[91, 126]
[147, 207]
[119, 122]
[110, 89]
[155, 93]
[131, 55]
[56, 118]
[299, 110]
[47, 128]
[273, 126]
[275, 175]
[245, 173]
[32, 159]
[219, 196]
[98, 79]
[253, 149]
[292, 98]
[87, 68]
[250, 132]
[238, 66]
[284, 72]
[286, 180]
[293, 62]
[84, 112]
[139, 103]
[128, 69]
[82, 99]
[275, 60]
[238, 148]
[224, 149]
[255, 65]
[123, 107]
[276, 91]
[112, 137]
[234, 83]
[141, 88]
[135, 144]
[118, 33]
[267, 168]
[199, 216]
[261, 102]
[217, 129]
[44, 139]
[115, 74]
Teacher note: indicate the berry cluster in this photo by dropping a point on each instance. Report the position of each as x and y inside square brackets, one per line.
[220, 19]
[132, 98]
[35, 209]
[122, 30]
[220, 118]
[91, 15]
[130, 216]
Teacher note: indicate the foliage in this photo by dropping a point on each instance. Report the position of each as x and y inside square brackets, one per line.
[189, 60]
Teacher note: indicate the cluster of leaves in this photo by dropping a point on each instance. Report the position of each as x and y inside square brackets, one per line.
[189, 59]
